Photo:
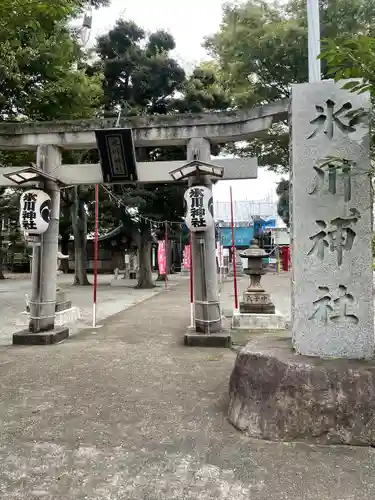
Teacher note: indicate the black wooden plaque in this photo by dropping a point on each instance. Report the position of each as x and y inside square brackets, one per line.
[117, 155]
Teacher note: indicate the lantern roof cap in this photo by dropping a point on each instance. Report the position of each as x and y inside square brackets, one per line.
[197, 168]
[29, 174]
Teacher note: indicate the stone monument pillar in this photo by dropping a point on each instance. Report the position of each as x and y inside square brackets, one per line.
[332, 278]
[279, 394]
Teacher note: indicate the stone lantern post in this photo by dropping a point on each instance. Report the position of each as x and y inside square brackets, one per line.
[255, 299]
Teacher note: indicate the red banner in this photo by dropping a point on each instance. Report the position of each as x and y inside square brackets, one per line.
[186, 258]
[162, 261]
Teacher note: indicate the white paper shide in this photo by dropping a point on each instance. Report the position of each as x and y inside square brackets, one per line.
[35, 211]
[198, 208]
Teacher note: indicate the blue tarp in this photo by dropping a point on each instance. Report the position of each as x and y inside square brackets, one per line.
[242, 236]
[265, 224]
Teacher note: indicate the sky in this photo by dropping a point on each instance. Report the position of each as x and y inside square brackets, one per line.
[189, 21]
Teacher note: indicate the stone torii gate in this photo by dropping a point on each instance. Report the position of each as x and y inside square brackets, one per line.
[196, 132]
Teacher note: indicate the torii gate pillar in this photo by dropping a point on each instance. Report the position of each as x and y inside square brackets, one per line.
[208, 328]
[44, 269]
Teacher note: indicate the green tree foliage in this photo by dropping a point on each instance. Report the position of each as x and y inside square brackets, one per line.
[349, 58]
[352, 59]
[38, 79]
[42, 74]
[202, 91]
[261, 49]
[141, 77]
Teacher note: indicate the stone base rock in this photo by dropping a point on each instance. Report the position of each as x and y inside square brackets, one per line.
[264, 322]
[43, 338]
[278, 395]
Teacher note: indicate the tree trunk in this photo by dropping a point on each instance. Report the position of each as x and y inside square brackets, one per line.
[64, 263]
[79, 224]
[144, 256]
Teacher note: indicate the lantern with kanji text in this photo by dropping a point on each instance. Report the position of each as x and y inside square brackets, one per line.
[199, 208]
[35, 211]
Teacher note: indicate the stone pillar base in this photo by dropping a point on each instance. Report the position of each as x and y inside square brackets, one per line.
[54, 336]
[256, 301]
[261, 322]
[246, 308]
[196, 339]
[278, 395]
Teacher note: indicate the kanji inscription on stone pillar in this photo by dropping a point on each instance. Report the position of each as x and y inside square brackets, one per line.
[332, 304]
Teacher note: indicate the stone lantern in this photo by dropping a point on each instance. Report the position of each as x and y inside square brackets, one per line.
[255, 299]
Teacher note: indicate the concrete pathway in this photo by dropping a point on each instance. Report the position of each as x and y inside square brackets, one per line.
[113, 296]
[128, 413]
